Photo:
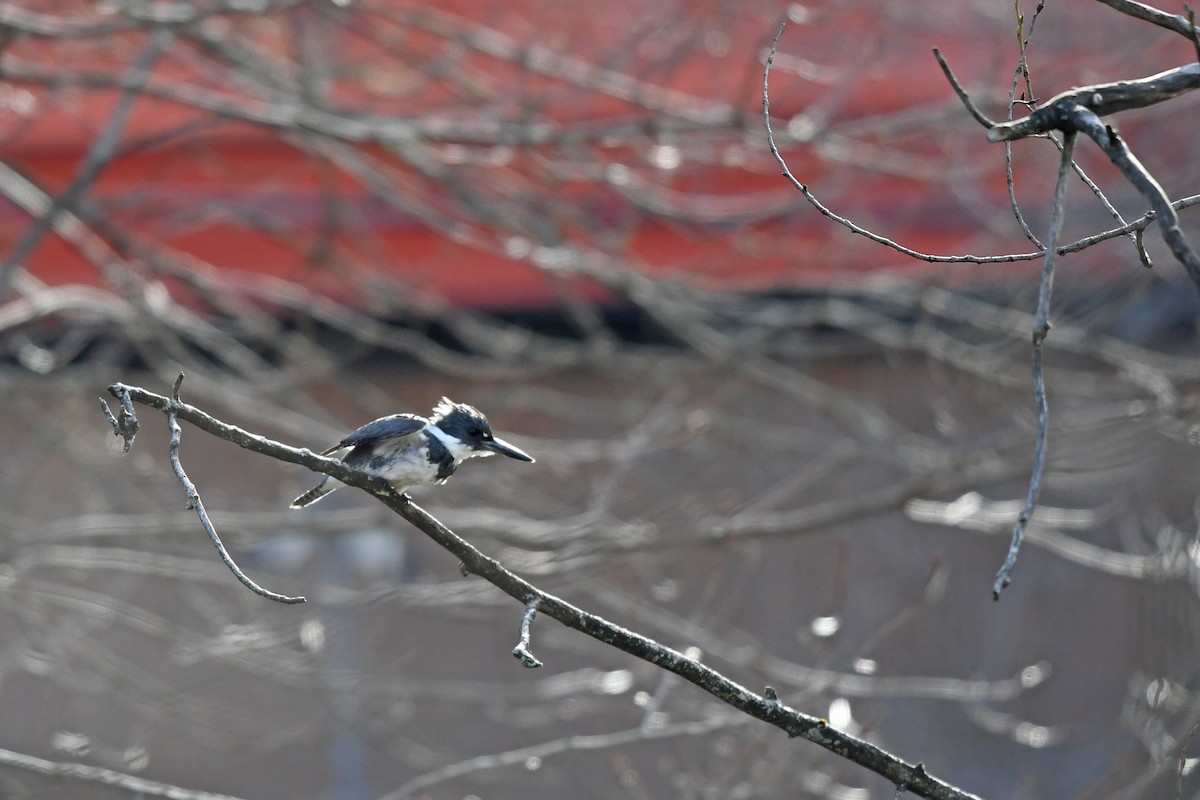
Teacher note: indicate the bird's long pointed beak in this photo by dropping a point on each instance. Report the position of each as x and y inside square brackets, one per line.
[505, 449]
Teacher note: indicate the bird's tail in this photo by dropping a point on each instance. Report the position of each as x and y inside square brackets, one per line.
[314, 494]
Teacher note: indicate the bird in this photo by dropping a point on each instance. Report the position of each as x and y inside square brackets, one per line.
[409, 450]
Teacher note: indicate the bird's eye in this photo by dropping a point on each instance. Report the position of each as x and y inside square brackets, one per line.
[474, 432]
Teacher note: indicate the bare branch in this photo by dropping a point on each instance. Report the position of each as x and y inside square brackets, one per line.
[1021, 73]
[972, 109]
[1136, 226]
[791, 721]
[522, 651]
[1057, 113]
[1119, 153]
[1041, 327]
[106, 777]
[1183, 759]
[416, 787]
[1080, 110]
[1135, 237]
[843, 221]
[1172, 22]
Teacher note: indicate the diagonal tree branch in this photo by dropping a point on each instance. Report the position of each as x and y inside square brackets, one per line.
[1086, 121]
[1057, 113]
[766, 707]
[1172, 22]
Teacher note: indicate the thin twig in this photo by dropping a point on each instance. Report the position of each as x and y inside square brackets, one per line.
[1139, 240]
[1183, 747]
[1172, 22]
[1135, 237]
[1041, 327]
[1010, 181]
[194, 502]
[522, 651]
[127, 425]
[133, 784]
[1113, 95]
[1087, 121]
[843, 221]
[972, 109]
[1137, 226]
[1022, 71]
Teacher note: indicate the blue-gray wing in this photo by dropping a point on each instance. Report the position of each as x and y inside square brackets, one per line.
[393, 427]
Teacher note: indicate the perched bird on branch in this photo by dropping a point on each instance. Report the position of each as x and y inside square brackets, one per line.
[408, 450]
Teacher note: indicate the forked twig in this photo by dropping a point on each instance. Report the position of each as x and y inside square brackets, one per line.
[194, 502]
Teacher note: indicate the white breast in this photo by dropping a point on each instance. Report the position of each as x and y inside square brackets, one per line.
[400, 464]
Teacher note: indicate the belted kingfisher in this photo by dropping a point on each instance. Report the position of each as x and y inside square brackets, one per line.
[407, 450]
